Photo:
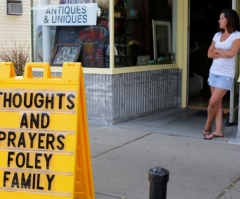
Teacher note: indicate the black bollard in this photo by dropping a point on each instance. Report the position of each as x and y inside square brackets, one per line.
[158, 178]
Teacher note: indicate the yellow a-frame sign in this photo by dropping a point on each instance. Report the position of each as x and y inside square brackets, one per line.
[44, 144]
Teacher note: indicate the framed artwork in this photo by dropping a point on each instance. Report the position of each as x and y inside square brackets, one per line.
[65, 53]
[143, 60]
[162, 39]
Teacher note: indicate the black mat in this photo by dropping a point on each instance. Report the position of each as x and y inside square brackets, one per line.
[201, 113]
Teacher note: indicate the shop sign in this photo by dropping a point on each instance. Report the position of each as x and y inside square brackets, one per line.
[75, 1]
[66, 14]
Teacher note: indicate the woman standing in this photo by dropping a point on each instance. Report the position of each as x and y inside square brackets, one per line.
[223, 51]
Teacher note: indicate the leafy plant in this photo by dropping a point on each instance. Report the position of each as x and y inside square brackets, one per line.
[18, 53]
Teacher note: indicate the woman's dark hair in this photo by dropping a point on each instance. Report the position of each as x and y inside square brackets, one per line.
[233, 20]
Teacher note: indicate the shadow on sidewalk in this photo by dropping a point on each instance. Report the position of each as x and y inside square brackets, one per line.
[178, 122]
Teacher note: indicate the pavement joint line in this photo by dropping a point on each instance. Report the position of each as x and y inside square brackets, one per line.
[184, 136]
[176, 135]
[107, 195]
[228, 189]
[123, 145]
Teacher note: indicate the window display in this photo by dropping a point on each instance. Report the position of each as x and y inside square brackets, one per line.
[81, 43]
[137, 42]
[138, 37]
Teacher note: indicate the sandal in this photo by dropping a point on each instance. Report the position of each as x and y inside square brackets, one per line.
[207, 132]
[213, 136]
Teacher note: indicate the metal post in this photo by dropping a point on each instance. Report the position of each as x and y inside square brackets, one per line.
[46, 40]
[158, 178]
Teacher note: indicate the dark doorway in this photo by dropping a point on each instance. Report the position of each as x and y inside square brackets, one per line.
[204, 16]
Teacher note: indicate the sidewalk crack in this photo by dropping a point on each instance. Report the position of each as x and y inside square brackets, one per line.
[228, 189]
[122, 145]
[107, 195]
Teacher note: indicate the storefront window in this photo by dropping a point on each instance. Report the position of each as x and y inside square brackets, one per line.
[73, 39]
[144, 32]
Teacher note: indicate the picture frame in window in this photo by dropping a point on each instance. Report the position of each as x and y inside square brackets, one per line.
[162, 40]
[143, 60]
[68, 52]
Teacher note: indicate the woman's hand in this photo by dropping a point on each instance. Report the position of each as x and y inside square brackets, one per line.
[211, 52]
[229, 53]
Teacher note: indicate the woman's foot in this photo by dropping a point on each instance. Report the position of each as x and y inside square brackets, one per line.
[213, 135]
[207, 131]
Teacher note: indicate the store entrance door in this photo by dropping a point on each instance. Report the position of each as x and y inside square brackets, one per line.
[204, 16]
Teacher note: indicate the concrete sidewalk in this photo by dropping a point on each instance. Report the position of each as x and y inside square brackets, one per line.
[199, 169]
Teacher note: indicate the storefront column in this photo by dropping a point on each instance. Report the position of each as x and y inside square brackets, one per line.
[182, 46]
[111, 37]
[238, 127]
[46, 37]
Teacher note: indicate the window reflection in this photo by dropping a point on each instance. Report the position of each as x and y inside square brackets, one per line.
[135, 40]
[144, 34]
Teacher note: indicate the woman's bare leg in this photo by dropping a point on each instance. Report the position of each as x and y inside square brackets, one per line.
[218, 120]
[208, 128]
[215, 107]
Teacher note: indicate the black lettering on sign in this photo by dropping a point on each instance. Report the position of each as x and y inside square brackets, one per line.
[32, 137]
[10, 158]
[2, 136]
[40, 140]
[84, 9]
[21, 141]
[36, 120]
[32, 140]
[24, 121]
[47, 158]
[15, 181]
[37, 161]
[5, 178]
[34, 178]
[7, 99]
[50, 140]
[45, 119]
[85, 18]
[38, 100]
[49, 101]
[61, 147]
[11, 138]
[70, 101]
[17, 100]
[50, 179]
[38, 182]
[20, 160]
[28, 103]
[48, 11]
[60, 95]
[79, 18]
[26, 183]
[28, 162]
